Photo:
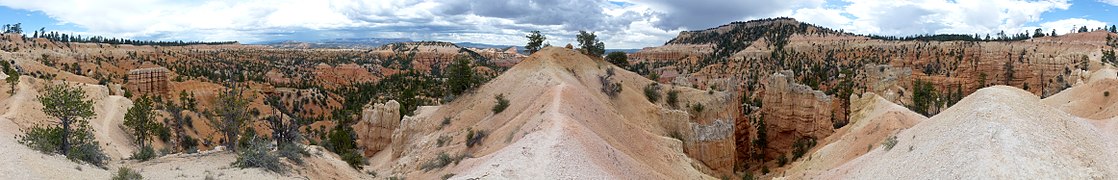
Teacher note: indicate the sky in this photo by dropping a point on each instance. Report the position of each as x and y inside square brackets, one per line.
[621, 24]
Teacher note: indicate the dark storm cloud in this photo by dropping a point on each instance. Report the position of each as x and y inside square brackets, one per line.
[702, 14]
[571, 15]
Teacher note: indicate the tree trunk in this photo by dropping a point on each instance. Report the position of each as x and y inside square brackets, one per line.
[65, 147]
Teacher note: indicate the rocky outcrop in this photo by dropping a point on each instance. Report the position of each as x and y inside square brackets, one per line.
[792, 111]
[378, 122]
[148, 81]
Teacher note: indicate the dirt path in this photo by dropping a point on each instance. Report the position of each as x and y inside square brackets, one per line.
[110, 118]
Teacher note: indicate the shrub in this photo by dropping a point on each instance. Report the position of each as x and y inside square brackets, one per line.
[88, 152]
[697, 108]
[292, 152]
[255, 155]
[1106, 93]
[502, 103]
[652, 92]
[448, 176]
[443, 140]
[618, 58]
[353, 158]
[801, 146]
[439, 162]
[473, 138]
[127, 174]
[673, 98]
[889, 143]
[609, 87]
[782, 160]
[145, 153]
[47, 139]
[446, 121]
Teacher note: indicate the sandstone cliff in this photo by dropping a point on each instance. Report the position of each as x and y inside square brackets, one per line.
[378, 122]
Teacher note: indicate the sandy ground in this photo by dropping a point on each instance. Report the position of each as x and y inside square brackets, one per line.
[881, 119]
[998, 132]
[559, 125]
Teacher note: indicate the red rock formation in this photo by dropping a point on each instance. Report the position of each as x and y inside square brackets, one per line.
[792, 111]
[148, 81]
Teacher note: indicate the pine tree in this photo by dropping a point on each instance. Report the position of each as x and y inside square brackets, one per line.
[70, 107]
[535, 42]
[590, 45]
[140, 119]
[232, 108]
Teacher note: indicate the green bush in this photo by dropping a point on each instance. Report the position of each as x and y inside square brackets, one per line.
[354, 159]
[127, 174]
[292, 152]
[439, 162]
[47, 139]
[88, 152]
[889, 143]
[255, 155]
[673, 98]
[145, 153]
[652, 92]
[697, 108]
[474, 137]
[502, 103]
[801, 146]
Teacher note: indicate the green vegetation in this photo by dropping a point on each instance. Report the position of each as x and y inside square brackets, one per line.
[13, 76]
[609, 87]
[801, 146]
[923, 97]
[255, 155]
[340, 140]
[140, 120]
[474, 137]
[889, 143]
[589, 44]
[697, 108]
[125, 173]
[72, 136]
[535, 42]
[440, 161]
[502, 104]
[461, 76]
[652, 92]
[673, 98]
[231, 108]
[618, 58]
[145, 153]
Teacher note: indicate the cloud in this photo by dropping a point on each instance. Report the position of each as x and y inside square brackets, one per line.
[1065, 26]
[940, 16]
[701, 14]
[619, 23]
[1111, 2]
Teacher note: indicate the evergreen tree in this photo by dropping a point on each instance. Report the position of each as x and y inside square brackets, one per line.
[590, 45]
[232, 108]
[461, 76]
[535, 42]
[70, 107]
[140, 119]
[618, 58]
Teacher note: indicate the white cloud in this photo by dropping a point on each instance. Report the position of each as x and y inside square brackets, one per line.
[1065, 26]
[620, 23]
[940, 16]
[1111, 2]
